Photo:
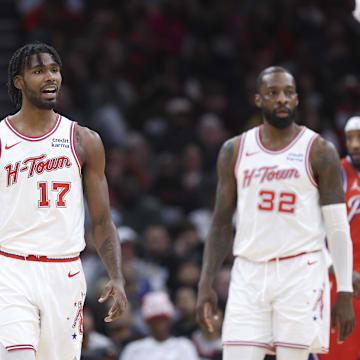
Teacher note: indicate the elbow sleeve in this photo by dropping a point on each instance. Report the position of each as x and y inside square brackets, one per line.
[340, 245]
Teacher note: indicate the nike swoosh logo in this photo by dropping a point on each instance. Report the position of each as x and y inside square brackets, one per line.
[71, 275]
[311, 262]
[9, 147]
[252, 153]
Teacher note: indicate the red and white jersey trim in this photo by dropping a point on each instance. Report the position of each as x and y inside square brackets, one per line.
[280, 151]
[33, 138]
[273, 348]
[300, 346]
[20, 347]
[249, 343]
[240, 151]
[73, 145]
[308, 160]
[291, 345]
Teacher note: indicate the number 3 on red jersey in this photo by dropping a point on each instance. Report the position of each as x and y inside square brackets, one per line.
[283, 202]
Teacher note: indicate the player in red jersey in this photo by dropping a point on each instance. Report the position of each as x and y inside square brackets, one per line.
[350, 350]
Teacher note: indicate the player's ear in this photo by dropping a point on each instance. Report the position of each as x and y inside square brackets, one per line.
[18, 82]
[297, 100]
[258, 100]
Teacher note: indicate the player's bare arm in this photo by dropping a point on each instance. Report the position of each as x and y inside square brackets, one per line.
[107, 243]
[220, 236]
[326, 166]
[325, 163]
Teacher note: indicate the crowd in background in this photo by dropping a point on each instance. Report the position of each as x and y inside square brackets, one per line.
[165, 82]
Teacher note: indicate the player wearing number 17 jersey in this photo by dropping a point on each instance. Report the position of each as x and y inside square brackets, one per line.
[47, 162]
[41, 179]
[284, 182]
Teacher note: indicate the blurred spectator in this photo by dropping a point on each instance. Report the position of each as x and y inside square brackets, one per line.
[211, 136]
[140, 275]
[185, 305]
[167, 186]
[180, 131]
[187, 244]
[193, 180]
[138, 210]
[109, 121]
[115, 169]
[158, 311]
[138, 160]
[95, 345]
[124, 329]
[188, 274]
[157, 250]
[165, 83]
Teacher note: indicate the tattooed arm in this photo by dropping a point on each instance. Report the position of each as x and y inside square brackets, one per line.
[220, 236]
[106, 240]
[326, 167]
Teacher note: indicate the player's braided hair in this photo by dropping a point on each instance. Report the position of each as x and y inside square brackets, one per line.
[269, 70]
[19, 60]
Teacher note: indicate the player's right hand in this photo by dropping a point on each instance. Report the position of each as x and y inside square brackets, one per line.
[114, 289]
[342, 313]
[206, 307]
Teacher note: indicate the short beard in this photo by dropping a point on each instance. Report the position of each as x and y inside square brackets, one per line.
[279, 122]
[356, 164]
[36, 101]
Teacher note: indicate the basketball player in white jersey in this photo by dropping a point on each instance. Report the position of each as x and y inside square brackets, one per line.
[284, 181]
[46, 162]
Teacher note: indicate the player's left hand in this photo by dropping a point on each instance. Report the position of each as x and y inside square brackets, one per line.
[343, 313]
[114, 288]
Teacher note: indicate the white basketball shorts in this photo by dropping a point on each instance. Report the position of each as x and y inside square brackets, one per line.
[279, 303]
[41, 306]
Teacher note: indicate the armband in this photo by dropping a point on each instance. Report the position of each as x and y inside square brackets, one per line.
[340, 245]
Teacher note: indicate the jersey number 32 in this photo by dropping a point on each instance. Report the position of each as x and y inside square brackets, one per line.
[283, 202]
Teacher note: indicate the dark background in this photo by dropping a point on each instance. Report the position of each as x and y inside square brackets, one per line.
[165, 82]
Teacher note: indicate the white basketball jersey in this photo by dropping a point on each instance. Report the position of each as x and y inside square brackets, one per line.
[41, 196]
[278, 210]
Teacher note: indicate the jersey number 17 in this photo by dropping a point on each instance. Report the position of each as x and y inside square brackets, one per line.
[62, 188]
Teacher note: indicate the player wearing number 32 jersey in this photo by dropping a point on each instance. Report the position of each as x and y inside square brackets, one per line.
[47, 165]
[281, 185]
[283, 182]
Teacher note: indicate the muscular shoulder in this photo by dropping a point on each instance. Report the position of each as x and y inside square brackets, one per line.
[88, 144]
[326, 167]
[228, 151]
[323, 156]
[227, 158]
